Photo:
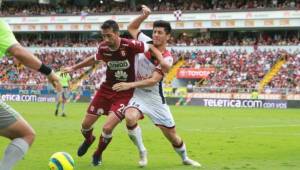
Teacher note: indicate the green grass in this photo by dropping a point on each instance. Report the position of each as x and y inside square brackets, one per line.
[220, 138]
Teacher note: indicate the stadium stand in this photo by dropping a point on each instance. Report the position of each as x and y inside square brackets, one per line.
[93, 7]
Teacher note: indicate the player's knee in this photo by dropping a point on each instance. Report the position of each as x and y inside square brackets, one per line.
[131, 116]
[107, 129]
[85, 125]
[29, 136]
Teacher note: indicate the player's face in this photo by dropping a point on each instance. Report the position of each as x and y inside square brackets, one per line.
[110, 37]
[159, 36]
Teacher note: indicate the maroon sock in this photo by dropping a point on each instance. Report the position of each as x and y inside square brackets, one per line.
[132, 127]
[88, 135]
[103, 142]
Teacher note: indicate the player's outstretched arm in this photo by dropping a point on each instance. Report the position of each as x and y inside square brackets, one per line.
[133, 27]
[29, 60]
[156, 77]
[164, 65]
[85, 63]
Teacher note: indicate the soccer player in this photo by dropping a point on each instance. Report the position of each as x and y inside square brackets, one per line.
[61, 98]
[12, 125]
[148, 96]
[119, 56]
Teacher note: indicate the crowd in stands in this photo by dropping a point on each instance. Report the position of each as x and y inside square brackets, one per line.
[184, 40]
[92, 7]
[242, 70]
[289, 74]
[234, 69]
[14, 73]
[180, 40]
[59, 43]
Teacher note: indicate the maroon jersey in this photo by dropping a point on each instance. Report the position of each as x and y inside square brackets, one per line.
[120, 68]
[120, 63]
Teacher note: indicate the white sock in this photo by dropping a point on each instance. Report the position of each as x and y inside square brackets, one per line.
[182, 152]
[13, 153]
[136, 137]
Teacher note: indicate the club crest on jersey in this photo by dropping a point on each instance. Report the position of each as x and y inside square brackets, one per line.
[123, 53]
[121, 75]
[118, 65]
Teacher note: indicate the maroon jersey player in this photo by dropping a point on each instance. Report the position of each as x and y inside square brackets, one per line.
[119, 56]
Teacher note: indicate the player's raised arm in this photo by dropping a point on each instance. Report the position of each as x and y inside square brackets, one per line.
[133, 27]
[155, 78]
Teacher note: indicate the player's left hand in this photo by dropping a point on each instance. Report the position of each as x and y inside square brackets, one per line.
[165, 67]
[122, 86]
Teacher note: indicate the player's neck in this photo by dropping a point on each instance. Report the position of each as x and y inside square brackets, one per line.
[161, 48]
[115, 46]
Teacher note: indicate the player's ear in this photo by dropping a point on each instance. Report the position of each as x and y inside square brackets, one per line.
[168, 37]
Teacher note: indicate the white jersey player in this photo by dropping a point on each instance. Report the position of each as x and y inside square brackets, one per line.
[154, 105]
[148, 96]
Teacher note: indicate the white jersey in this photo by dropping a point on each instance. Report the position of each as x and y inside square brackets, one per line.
[150, 100]
[145, 65]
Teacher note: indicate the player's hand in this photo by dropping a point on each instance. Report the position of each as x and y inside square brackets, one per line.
[165, 67]
[146, 10]
[122, 86]
[67, 69]
[54, 80]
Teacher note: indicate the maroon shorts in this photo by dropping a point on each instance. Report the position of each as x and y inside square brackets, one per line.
[106, 101]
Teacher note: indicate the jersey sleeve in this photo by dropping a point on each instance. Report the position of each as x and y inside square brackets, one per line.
[143, 37]
[99, 56]
[168, 60]
[138, 46]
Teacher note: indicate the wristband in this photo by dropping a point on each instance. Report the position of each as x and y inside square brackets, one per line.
[46, 70]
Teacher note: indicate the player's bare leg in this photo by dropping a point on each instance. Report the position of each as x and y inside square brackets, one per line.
[57, 104]
[22, 136]
[106, 136]
[178, 145]
[132, 116]
[63, 114]
[87, 132]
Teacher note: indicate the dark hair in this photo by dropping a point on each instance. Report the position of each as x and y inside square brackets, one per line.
[110, 24]
[166, 25]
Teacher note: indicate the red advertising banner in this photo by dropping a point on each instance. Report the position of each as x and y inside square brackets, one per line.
[194, 73]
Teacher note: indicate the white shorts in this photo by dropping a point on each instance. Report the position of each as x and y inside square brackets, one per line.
[159, 113]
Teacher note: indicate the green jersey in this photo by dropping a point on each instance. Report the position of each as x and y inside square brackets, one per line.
[64, 78]
[7, 38]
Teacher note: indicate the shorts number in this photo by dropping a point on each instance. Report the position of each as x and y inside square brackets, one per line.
[122, 106]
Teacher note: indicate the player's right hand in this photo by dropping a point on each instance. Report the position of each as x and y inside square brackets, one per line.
[54, 80]
[146, 10]
[67, 69]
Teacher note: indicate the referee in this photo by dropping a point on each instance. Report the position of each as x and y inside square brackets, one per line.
[62, 97]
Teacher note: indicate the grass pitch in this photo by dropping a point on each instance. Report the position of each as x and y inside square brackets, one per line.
[220, 138]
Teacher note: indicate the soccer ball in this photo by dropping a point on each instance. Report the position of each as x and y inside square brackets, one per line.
[61, 161]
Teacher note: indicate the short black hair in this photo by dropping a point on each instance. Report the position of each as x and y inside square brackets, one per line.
[110, 24]
[161, 23]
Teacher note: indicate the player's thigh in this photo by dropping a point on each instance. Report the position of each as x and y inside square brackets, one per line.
[12, 124]
[135, 109]
[19, 129]
[89, 120]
